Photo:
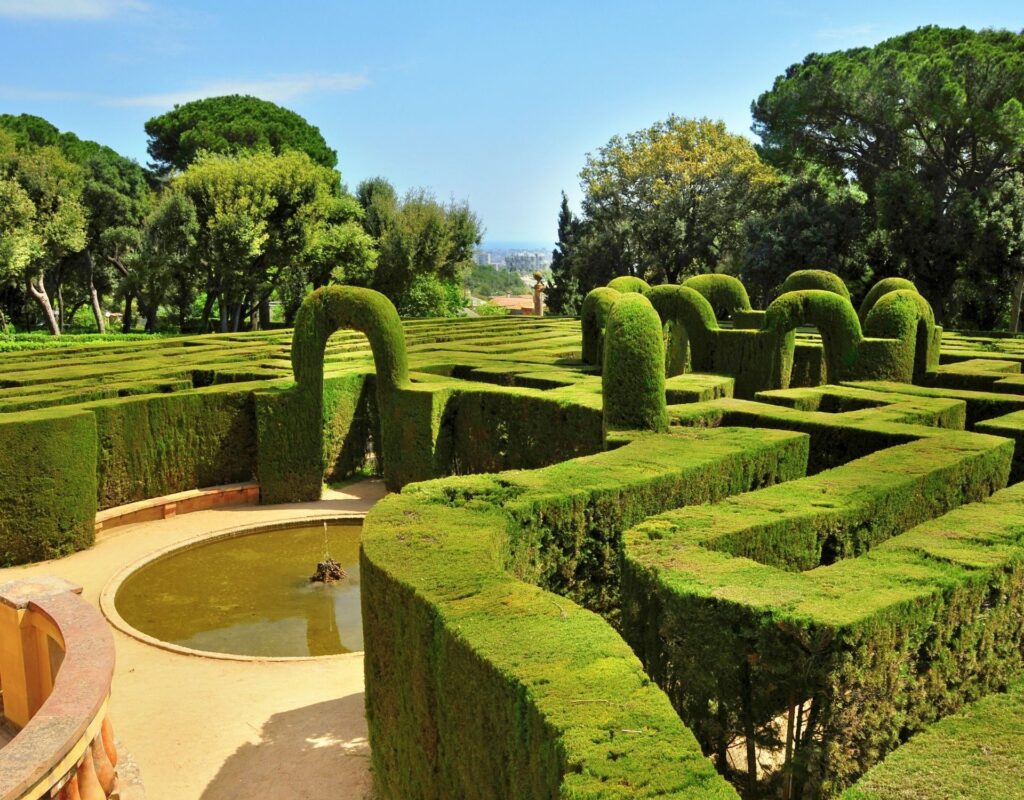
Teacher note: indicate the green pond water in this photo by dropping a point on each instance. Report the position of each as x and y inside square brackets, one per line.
[251, 595]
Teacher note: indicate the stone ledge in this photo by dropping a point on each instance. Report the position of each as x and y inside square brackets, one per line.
[180, 503]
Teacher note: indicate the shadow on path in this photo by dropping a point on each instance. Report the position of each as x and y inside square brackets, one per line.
[315, 751]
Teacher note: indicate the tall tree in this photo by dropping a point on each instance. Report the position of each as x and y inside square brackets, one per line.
[379, 201]
[116, 195]
[668, 201]
[45, 221]
[264, 221]
[928, 123]
[425, 248]
[563, 292]
[811, 222]
[231, 125]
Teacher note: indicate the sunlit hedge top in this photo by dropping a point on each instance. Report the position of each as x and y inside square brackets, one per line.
[815, 279]
[333, 308]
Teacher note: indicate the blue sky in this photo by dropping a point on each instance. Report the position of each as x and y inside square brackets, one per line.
[497, 103]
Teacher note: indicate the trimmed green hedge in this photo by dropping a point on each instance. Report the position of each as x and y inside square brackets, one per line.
[831, 314]
[881, 288]
[300, 420]
[633, 377]
[489, 431]
[161, 444]
[899, 340]
[629, 284]
[822, 279]
[481, 685]
[726, 294]
[48, 490]
[806, 593]
[593, 317]
[689, 312]
[973, 754]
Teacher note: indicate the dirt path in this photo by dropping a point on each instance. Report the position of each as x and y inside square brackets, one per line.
[219, 730]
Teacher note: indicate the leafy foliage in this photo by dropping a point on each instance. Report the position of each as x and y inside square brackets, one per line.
[425, 247]
[930, 125]
[563, 292]
[231, 125]
[667, 202]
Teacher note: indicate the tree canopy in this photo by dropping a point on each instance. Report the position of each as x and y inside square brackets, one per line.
[930, 125]
[43, 217]
[266, 220]
[231, 125]
[667, 201]
[425, 247]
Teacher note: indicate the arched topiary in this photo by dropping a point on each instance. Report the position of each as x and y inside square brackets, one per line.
[831, 314]
[725, 293]
[334, 308]
[686, 307]
[633, 379]
[882, 287]
[628, 283]
[905, 315]
[821, 279]
[294, 421]
[593, 315]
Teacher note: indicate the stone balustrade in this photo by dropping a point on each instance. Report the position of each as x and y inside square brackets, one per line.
[56, 665]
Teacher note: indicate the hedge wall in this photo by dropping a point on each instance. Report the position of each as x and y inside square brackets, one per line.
[48, 490]
[973, 754]
[162, 444]
[821, 279]
[633, 373]
[805, 596]
[481, 685]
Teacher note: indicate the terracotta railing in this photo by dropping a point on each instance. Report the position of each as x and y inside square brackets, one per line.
[56, 664]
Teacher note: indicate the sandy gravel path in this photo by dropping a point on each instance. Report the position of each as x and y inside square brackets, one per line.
[218, 730]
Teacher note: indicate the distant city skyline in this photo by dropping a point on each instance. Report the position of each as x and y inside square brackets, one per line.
[496, 104]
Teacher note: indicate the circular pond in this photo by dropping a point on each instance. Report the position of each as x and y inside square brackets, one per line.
[250, 594]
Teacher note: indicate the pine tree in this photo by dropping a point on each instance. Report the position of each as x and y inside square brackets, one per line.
[563, 293]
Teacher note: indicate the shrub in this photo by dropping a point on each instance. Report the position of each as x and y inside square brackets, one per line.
[48, 486]
[628, 283]
[821, 279]
[726, 294]
[633, 378]
[593, 317]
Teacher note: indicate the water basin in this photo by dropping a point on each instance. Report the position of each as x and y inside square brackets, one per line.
[250, 595]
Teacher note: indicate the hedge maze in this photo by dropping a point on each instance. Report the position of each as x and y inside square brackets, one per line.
[679, 547]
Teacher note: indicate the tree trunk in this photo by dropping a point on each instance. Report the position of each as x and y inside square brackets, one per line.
[39, 293]
[94, 298]
[749, 731]
[223, 313]
[236, 317]
[204, 320]
[126, 321]
[254, 314]
[3, 322]
[60, 306]
[73, 312]
[1018, 290]
[150, 314]
[265, 313]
